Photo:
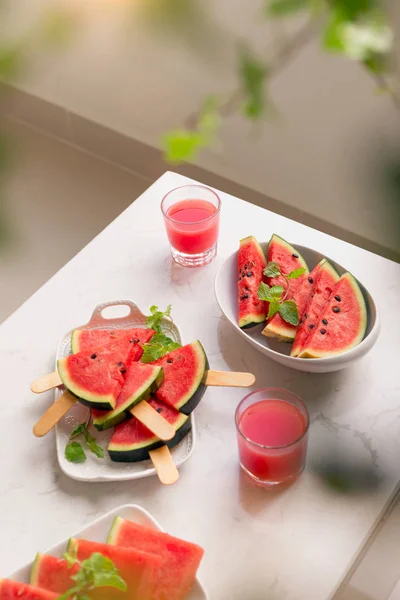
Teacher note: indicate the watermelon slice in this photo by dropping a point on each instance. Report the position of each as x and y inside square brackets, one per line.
[137, 568]
[324, 282]
[184, 370]
[342, 322]
[86, 339]
[96, 376]
[180, 559]
[251, 264]
[52, 574]
[141, 381]
[288, 259]
[15, 590]
[132, 441]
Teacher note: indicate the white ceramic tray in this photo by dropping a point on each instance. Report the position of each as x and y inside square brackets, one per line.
[104, 469]
[98, 532]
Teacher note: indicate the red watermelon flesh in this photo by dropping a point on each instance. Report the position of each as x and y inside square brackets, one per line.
[324, 283]
[96, 376]
[86, 339]
[251, 264]
[15, 590]
[132, 441]
[184, 370]
[180, 559]
[288, 259]
[141, 381]
[137, 568]
[341, 324]
[52, 574]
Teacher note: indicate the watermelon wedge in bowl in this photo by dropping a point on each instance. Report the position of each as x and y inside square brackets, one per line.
[268, 339]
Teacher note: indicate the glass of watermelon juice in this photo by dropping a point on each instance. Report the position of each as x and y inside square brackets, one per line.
[191, 215]
[272, 432]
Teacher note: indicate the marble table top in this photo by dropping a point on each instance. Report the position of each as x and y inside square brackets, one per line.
[293, 544]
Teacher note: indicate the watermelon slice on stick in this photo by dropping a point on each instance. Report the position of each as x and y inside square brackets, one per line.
[251, 264]
[324, 282]
[341, 324]
[180, 559]
[288, 259]
[86, 339]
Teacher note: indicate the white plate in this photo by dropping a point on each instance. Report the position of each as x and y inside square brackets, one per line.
[104, 469]
[98, 532]
[226, 294]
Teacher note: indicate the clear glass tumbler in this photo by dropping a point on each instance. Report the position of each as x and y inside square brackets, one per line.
[272, 432]
[191, 215]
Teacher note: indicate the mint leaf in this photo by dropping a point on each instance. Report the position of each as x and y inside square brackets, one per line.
[272, 270]
[263, 291]
[270, 294]
[77, 431]
[154, 320]
[296, 273]
[273, 309]
[93, 445]
[159, 346]
[74, 453]
[276, 292]
[102, 572]
[289, 313]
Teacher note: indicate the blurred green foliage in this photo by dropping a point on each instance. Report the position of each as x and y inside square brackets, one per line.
[253, 73]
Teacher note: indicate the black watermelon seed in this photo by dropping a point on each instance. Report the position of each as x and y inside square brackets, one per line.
[159, 410]
[135, 340]
[325, 322]
[338, 299]
[169, 360]
[295, 255]
[250, 274]
[311, 326]
[93, 356]
[246, 288]
[120, 364]
[311, 280]
[244, 297]
[123, 371]
[323, 331]
[336, 309]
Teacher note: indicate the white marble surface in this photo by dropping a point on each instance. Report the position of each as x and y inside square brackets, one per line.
[292, 545]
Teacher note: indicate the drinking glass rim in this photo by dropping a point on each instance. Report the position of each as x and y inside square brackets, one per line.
[204, 187]
[270, 389]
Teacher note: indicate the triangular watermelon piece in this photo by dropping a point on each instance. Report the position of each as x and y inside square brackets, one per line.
[141, 381]
[15, 590]
[137, 568]
[251, 264]
[52, 574]
[288, 259]
[96, 376]
[86, 339]
[325, 281]
[342, 322]
[180, 559]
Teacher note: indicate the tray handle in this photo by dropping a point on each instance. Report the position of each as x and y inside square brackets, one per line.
[97, 319]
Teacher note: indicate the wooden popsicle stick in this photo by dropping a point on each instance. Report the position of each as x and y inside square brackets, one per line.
[164, 465]
[46, 383]
[229, 379]
[214, 378]
[54, 414]
[149, 417]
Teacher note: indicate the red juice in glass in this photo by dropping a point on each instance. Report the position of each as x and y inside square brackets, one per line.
[272, 426]
[191, 215]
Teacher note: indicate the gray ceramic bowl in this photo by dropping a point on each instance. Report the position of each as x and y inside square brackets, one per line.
[226, 293]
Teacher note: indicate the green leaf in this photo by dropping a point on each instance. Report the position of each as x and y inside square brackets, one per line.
[353, 9]
[284, 8]
[71, 560]
[102, 572]
[155, 319]
[77, 431]
[93, 445]
[270, 294]
[10, 61]
[276, 292]
[273, 308]
[272, 270]
[296, 273]
[159, 346]
[74, 453]
[263, 291]
[289, 313]
[253, 75]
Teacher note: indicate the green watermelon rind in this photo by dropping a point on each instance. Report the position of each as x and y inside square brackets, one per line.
[100, 401]
[325, 266]
[76, 334]
[307, 352]
[114, 530]
[287, 332]
[119, 413]
[252, 319]
[137, 452]
[35, 569]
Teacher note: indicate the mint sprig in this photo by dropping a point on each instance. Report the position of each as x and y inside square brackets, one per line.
[74, 451]
[275, 294]
[97, 571]
[159, 345]
[154, 320]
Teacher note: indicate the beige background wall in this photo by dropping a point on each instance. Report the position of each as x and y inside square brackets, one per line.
[313, 155]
